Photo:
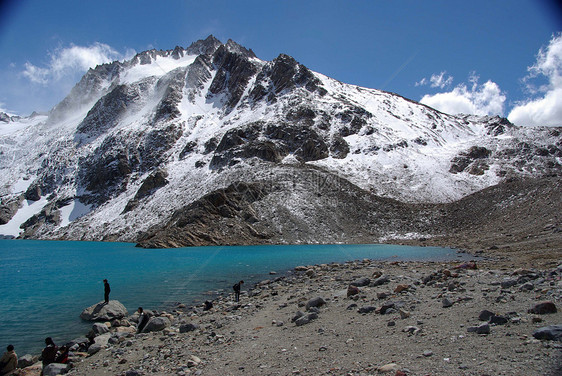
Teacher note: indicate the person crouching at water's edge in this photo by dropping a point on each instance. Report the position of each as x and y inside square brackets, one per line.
[9, 361]
[106, 291]
[236, 289]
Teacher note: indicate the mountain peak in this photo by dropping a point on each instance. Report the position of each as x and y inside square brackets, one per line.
[204, 46]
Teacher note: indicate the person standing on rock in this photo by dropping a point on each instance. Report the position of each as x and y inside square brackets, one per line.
[106, 291]
[9, 361]
[236, 289]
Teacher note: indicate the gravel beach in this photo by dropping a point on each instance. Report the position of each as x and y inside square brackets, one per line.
[397, 318]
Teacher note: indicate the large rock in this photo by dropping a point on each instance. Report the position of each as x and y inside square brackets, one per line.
[551, 333]
[54, 369]
[360, 282]
[27, 360]
[155, 324]
[315, 302]
[104, 312]
[100, 328]
[543, 308]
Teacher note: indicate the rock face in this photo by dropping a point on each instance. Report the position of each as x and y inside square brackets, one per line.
[104, 312]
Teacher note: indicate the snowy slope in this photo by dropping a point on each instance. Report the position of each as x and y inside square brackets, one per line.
[135, 141]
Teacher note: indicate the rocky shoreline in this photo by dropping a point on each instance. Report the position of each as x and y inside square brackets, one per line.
[356, 318]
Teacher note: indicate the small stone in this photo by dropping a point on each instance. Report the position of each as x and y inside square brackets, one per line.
[401, 287]
[404, 314]
[446, 303]
[382, 295]
[306, 319]
[352, 290]
[483, 329]
[391, 367]
[427, 353]
[367, 309]
[529, 286]
[391, 323]
[411, 330]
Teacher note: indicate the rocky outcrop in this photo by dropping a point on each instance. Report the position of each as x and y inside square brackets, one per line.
[104, 312]
[269, 142]
[283, 74]
[233, 72]
[107, 111]
[225, 216]
[8, 208]
[150, 185]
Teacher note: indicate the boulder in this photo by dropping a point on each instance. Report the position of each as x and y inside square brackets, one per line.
[481, 329]
[543, 308]
[306, 319]
[380, 281]
[104, 312]
[315, 302]
[54, 369]
[551, 333]
[94, 348]
[156, 324]
[185, 328]
[498, 320]
[485, 315]
[360, 282]
[100, 328]
[297, 316]
[102, 339]
[27, 360]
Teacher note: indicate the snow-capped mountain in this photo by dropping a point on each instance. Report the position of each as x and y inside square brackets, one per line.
[242, 150]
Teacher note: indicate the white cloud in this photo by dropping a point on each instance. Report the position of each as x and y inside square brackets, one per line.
[479, 99]
[71, 60]
[437, 80]
[547, 109]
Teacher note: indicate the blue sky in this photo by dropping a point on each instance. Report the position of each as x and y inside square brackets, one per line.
[479, 56]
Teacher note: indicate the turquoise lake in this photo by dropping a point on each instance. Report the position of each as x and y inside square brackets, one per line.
[45, 285]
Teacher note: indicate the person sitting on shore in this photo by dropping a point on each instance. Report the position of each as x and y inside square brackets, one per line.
[9, 361]
[62, 357]
[208, 305]
[49, 353]
[143, 320]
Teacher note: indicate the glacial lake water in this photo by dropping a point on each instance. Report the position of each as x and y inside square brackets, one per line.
[45, 285]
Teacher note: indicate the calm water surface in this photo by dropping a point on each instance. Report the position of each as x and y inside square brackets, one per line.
[45, 285]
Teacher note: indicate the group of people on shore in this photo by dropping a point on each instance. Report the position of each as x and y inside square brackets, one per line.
[53, 354]
[50, 354]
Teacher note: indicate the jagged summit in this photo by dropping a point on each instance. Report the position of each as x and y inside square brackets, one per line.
[137, 142]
